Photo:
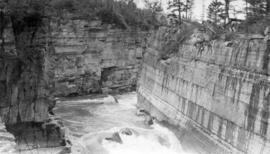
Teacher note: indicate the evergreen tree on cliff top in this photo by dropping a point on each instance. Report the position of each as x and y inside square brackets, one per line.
[215, 10]
[258, 8]
[227, 8]
[154, 6]
[178, 8]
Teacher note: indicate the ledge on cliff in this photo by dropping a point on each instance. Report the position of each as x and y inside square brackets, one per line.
[249, 52]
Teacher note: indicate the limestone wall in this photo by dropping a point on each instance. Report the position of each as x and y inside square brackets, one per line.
[91, 57]
[221, 88]
[59, 57]
[26, 84]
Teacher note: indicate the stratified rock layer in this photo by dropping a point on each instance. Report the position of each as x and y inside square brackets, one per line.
[60, 57]
[26, 83]
[93, 58]
[221, 88]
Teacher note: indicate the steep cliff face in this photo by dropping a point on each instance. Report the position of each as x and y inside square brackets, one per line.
[25, 83]
[221, 88]
[43, 58]
[92, 58]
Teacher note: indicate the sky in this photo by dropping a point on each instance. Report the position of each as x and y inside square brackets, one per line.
[198, 7]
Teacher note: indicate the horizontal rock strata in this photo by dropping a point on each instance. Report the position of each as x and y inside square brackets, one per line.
[26, 83]
[221, 88]
[93, 58]
[60, 57]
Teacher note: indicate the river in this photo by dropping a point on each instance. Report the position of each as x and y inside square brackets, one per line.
[109, 125]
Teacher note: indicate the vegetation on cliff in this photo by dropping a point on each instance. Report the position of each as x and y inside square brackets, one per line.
[121, 14]
[254, 15]
[224, 22]
[180, 10]
[124, 13]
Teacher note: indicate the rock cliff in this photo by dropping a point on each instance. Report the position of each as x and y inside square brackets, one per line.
[218, 87]
[26, 82]
[42, 58]
[91, 57]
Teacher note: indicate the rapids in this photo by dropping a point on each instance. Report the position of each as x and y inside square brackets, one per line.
[109, 125]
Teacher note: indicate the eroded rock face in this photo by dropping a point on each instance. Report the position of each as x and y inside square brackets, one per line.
[92, 58]
[43, 59]
[219, 87]
[26, 83]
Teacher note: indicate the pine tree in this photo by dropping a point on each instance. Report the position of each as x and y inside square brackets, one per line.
[258, 8]
[188, 8]
[215, 10]
[268, 6]
[227, 9]
[178, 7]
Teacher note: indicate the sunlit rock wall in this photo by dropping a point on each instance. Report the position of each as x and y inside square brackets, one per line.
[221, 88]
[91, 57]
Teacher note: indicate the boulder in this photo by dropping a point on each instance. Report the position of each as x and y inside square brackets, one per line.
[115, 138]
[126, 131]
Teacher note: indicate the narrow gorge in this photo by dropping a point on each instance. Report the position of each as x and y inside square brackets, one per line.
[220, 88]
[93, 58]
[106, 77]
[42, 59]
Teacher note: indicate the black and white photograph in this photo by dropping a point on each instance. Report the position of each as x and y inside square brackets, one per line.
[134, 76]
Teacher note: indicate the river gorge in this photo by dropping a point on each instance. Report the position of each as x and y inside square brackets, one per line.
[71, 85]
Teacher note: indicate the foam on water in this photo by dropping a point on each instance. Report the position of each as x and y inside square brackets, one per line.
[158, 140]
[91, 121]
[144, 140]
[7, 141]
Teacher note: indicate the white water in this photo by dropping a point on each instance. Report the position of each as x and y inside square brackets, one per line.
[7, 141]
[90, 121]
[157, 141]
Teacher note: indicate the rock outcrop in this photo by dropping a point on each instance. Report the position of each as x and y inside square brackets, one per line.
[220, 88]
[26, 82]
[91, 57]
[42, 58]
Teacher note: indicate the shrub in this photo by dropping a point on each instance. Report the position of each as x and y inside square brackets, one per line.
[124, 14]
[69, 5]
[229, 36]
[111, 17]
[176, 37]
[255, 25]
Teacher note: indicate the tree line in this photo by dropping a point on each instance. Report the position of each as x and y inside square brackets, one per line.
[224, 13]
[256, 14]
[125, 14]
[121, 13]
[219, 9]
[180, 10]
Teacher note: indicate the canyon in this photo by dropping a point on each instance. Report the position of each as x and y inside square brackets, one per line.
[216, 90]
[44, 59]
[93, 58]
[219, 88]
